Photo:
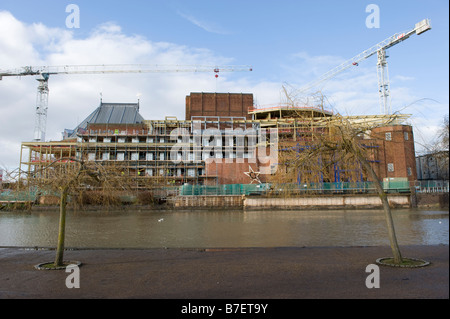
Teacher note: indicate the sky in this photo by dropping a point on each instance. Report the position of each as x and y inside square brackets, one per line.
[286, 42]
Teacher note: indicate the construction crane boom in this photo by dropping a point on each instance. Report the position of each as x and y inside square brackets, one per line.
[380, 50]
[117, 68]
[43, 73]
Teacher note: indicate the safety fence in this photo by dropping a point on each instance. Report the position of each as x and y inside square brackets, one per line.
[294, 189]
[17, 196]
[227, 189]
[431, 186]
[390, 186]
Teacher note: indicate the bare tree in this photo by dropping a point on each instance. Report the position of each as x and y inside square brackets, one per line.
[435, 159]
[312, 154]
[70, 176]
[444, 134]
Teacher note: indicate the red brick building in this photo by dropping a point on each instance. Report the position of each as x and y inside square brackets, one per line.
[117, 133]
[219, 104]
[396, 153]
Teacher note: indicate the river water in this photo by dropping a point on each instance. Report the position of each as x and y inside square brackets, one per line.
[219, 229]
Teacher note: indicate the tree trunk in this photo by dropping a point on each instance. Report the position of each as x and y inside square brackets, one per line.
[387, 209]
[62, 227]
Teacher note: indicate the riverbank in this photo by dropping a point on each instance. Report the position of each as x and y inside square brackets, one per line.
[226, 202]
[431, 200]
[253, 273]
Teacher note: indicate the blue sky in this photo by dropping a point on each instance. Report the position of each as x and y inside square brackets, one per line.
[285, 41]
[261, 33]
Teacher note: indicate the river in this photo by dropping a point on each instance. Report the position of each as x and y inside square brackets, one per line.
[214, 229]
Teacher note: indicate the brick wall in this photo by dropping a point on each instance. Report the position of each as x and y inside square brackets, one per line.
[396, 154]
[231, 173]
[219, 104]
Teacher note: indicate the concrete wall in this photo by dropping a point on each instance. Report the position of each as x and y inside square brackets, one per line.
[208, 201]
[313, 202]
[326, 202]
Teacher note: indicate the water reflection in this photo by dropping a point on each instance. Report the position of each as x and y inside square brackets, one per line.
[195, 229]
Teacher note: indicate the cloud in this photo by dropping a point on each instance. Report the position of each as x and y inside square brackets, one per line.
[207, 26]
[73, 97]
[353, 91]
[302, 67]
[403, 78]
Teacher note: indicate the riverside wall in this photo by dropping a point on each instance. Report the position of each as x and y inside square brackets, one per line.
[208, 201]
[303, 202]
[327, 202]
[431, 200]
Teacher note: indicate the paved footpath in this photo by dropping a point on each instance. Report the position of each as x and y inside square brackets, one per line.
[253, 273]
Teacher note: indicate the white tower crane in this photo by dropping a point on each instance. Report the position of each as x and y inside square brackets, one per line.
[43, 73]
[383, 77]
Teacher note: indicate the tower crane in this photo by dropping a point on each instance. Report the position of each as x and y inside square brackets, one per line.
[382, 67]
[43, 73]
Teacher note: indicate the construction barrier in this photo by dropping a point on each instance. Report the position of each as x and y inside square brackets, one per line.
[227, 189]
[389, 185]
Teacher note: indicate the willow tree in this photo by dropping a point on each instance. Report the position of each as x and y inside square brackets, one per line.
[313, 156]
[73, 177]
[350, 145]
[310, 155]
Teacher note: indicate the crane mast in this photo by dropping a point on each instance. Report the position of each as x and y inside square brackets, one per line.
[43, 73]
[382, 66]
[40, 124]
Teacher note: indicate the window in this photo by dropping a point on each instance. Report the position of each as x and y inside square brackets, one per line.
[134, 156]
[409, 170]
[390, 167]
[388, 136]
[406, 136]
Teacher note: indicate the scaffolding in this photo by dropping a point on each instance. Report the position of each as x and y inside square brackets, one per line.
[145, 150]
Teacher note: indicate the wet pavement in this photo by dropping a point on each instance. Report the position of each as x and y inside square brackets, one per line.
[253, 273]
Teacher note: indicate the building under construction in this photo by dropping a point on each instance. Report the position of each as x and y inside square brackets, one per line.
[216, 142]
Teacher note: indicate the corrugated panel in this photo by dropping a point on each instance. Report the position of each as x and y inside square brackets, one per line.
[118, 114]
[112, 113]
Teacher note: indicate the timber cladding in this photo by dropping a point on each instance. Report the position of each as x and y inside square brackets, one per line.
[219, 104]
